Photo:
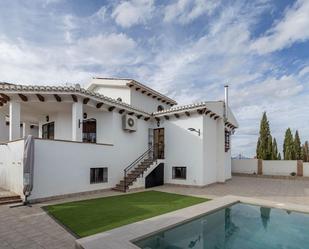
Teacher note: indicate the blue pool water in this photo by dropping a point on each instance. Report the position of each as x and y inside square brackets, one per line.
[239, 226]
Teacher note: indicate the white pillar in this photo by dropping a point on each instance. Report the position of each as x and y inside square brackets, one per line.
[77, 121]
[26, 129]
[14, 121]
[220, 150]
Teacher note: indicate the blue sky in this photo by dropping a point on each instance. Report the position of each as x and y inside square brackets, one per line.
[187, 49]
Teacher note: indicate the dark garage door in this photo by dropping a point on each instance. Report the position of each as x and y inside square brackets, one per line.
[156, 177]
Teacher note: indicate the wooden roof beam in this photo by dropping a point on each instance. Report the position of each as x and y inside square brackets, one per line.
[23, 97]
[74, 97]
[57, 97]
[85, 101]
[40, 97]
[201, 111]
[111, 108]
[4, 96]
[99, 105]
[3, 100]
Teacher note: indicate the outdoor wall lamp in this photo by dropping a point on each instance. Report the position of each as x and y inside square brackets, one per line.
[195, 130]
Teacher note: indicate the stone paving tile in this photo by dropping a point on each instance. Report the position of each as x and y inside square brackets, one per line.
[282, 190]
[31, 227]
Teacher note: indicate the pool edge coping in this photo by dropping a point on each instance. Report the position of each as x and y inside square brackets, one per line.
[123, 237]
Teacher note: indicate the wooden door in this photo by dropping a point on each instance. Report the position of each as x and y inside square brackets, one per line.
[158, 142]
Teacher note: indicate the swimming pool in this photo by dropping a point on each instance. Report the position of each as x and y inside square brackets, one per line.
[240, 226]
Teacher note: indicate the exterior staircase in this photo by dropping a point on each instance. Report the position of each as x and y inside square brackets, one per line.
[11, 199]
[135, 170]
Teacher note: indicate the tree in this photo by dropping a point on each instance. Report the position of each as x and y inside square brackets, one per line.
[263, 150]
[279, 156]
[288, 146]
[269, 148]
[275, 154]
[297, 147]
[305, 152]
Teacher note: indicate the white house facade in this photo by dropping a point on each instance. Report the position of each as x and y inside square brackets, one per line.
[115, 133]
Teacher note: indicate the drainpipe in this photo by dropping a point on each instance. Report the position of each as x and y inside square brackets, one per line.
[226, 102]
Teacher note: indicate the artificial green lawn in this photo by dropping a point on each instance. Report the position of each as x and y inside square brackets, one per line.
[88, 217]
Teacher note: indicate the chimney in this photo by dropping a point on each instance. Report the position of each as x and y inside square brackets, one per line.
[226, 102]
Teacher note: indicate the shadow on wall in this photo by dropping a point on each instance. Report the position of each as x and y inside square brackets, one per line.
[183, 148]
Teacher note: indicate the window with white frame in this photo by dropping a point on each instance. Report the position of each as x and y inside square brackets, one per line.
[98, 175]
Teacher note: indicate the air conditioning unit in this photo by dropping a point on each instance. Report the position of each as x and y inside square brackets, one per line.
[129, 123]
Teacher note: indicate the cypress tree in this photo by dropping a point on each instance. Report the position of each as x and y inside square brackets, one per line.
[297, 147]
[279, 156]
[262, 148]
[305, 152]
[288, 146]
[269, 148]
[275, 154]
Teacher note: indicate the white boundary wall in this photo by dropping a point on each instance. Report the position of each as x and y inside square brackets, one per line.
[245, 166]
[306, 169]
[11, 166]
[281, 168]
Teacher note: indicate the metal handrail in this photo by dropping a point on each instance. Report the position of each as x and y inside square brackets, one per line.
[135, 162]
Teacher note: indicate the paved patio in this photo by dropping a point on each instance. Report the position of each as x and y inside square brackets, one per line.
[31, 227]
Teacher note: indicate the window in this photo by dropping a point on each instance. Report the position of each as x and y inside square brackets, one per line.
[227, 140]
[98, 175]
[160, 108]
[48, 130]
[90, 131]
[179, 173]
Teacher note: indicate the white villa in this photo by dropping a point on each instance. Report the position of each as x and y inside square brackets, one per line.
[115, 133]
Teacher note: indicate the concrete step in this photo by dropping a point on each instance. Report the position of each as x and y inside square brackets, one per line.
[10, 200]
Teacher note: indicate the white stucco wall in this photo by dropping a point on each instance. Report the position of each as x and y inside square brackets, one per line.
[64, 167]
[146, 103]
[282, 167]
[11, 166]
[245, 166]
[184, 148]
[210, 151]
[115, 92]
[306, 169]
[63, 124]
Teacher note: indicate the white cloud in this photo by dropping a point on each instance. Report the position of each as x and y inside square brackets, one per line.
[185, 11]
[111, 49]
[133, 12]
[292, 28]
[23, 62]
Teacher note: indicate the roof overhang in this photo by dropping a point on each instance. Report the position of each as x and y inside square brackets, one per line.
[75, 93]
